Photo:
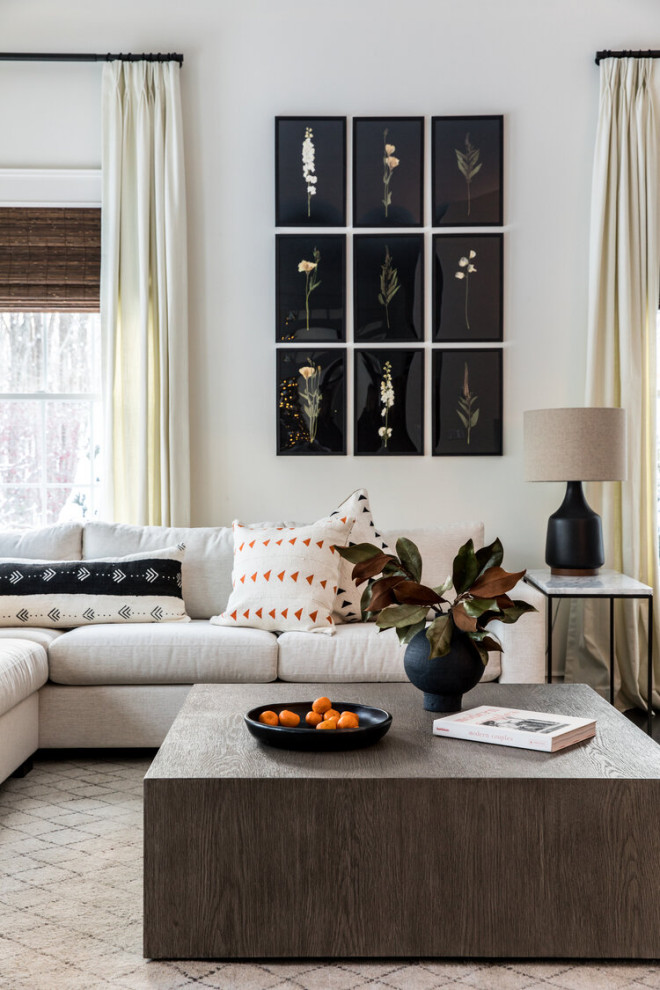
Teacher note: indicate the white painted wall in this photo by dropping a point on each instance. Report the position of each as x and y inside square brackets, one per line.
[249, 60]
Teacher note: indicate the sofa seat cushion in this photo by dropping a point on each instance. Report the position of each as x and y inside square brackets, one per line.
[169, 653]
[23, 670]
[34, 634]
[357, 652]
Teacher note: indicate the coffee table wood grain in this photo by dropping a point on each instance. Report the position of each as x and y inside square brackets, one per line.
[417, 846]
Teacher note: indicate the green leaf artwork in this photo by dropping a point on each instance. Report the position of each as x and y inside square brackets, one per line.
[389, 284]
[468, 165]
[468, 411]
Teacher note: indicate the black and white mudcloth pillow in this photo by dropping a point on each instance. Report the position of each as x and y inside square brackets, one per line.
[61, 594]
[347, 602]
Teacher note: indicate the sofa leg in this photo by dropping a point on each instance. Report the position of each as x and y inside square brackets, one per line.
[24, 768]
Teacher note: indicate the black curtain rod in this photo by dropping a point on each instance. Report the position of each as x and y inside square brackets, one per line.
[608, 54]
[109, 57]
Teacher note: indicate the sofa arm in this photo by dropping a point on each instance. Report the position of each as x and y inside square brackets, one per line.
[524, 641]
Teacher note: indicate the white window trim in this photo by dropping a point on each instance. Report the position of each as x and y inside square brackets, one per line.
[50, 187]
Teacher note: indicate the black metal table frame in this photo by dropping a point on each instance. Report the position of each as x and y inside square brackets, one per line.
[649, 649]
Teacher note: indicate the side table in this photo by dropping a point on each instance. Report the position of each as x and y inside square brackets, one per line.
[606, 584]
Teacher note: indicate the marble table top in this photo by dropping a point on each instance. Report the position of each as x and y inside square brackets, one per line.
[606, 583]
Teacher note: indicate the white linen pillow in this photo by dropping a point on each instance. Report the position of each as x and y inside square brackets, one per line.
[285, 578]
[347, 602]
[62, 594]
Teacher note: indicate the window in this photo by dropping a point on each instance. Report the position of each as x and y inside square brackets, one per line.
[50, 365]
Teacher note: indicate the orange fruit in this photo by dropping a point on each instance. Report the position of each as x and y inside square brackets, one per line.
[321, 705]
[352, 714]
[327, 723]
[331, 713]
[347, 721]
[288, 718]
[313, 718]
[269, 718]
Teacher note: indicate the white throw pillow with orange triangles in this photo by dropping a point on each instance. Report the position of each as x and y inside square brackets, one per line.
[285, 578]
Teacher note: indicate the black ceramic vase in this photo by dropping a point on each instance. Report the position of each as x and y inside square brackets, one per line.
[443, 680]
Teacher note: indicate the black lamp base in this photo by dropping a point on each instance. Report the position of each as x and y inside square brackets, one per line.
[574, 541]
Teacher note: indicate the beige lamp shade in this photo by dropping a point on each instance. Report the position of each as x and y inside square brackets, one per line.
[575, 444]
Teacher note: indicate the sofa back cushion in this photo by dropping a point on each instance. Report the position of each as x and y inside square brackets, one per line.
[207, 564]
[438, 546]
[60, 542]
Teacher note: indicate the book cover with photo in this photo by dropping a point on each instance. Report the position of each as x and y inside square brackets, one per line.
[543, 731]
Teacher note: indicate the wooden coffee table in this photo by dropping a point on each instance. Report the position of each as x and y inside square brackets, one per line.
[415, 847]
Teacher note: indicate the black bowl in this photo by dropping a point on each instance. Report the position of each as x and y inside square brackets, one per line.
[374, 723]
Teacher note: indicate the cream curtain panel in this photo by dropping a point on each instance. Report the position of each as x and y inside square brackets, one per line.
[621, 359]
[144, 295]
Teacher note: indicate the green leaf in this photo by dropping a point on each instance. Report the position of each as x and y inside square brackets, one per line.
[475, 170]
[510, 615]
[358, 552]
[490, 556]
[439, 635]
[380, 299]
[365, 601]
[440, 590]
[405, 635]
[396, 616]
[465, 569]
[462, 418]
[487, 639]
[477, 606]
[474, 417]
[410, 557]
[482, 651]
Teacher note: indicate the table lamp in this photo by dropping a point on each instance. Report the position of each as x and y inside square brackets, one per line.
[575, 445]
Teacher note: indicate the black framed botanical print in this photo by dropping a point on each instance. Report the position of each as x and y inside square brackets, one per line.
[388, 287]
[467, 401]
[467, 287]
[310, 287]
[310, 171]
[389, 401]
[466, 156]
[311, 398]
[388, 171]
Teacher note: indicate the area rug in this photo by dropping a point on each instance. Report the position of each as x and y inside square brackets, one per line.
[71, 905]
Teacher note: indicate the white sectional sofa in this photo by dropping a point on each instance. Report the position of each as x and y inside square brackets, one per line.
[121, 685]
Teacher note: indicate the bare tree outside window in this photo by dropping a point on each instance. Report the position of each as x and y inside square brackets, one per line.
[50, 417]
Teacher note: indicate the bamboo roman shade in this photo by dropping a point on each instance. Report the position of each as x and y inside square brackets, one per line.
[50, 259]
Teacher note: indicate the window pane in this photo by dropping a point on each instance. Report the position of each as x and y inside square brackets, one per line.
[21, 442]
[68, 440]
[73, 346]
[21, 352]
[20, 508]
[68, 504]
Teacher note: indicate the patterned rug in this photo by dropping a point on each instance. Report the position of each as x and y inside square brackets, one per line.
[71, 904]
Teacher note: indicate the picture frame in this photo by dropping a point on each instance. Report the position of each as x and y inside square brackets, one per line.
[310, 288]
[389, 401]
[466, 402]
[388, 287]
[311, 413]
[310, 171]
[388, 171]
[467, 171]
[467, 287]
